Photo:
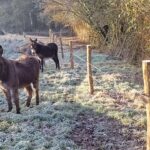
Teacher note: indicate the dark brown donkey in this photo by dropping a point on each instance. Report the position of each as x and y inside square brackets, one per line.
[46, 51]
[19, 74]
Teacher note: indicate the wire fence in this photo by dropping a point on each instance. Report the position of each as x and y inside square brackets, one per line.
[85, 71]
[83, 61]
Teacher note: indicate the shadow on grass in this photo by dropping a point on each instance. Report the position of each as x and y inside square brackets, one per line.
[91, 130]
[68, 125]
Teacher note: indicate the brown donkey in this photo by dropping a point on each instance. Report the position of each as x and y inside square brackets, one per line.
[19, 74]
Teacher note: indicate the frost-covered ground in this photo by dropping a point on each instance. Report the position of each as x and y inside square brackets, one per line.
[68, 118]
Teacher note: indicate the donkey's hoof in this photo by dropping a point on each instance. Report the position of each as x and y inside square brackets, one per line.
[9, 110]
[18, 111]
[37, 103]
[27, 104]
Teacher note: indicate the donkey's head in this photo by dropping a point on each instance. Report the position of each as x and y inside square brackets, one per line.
[33, 44]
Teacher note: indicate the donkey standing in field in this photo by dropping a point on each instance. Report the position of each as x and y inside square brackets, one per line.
[46, 51]
[19, 74]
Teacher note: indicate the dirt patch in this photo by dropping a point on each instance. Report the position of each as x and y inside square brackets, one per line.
[104, 133]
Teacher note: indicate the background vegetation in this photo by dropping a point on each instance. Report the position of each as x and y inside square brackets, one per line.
[121, 28]
[20, 16]
[128, 24]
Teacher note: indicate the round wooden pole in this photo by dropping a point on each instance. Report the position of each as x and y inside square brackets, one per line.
[71, 55]
[146, 77]
[53, 37]
[49, 35]
[61, 47]
[89, 70]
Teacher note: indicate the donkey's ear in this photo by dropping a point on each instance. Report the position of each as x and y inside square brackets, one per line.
[35, 40]
[30, 39]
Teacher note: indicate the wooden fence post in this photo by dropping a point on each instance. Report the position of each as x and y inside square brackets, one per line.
[61, 47]
[71, 55]
[146, 78]
[53, 37]
[89, 69]
[49, 32]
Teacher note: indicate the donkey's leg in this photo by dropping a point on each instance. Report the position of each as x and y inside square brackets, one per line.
[16, 100]
[8, 98]
[36, 86]
[29, 91]
[58, 65]
[56, 60]
[42, 63]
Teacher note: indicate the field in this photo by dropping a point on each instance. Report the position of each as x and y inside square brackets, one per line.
[68, 118]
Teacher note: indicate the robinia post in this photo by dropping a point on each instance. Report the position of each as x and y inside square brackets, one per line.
[71, 55]
[146, 79]
[61, 46]
[89, 69]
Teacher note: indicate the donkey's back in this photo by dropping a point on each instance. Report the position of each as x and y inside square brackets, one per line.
[27, 70]
[49, 51]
